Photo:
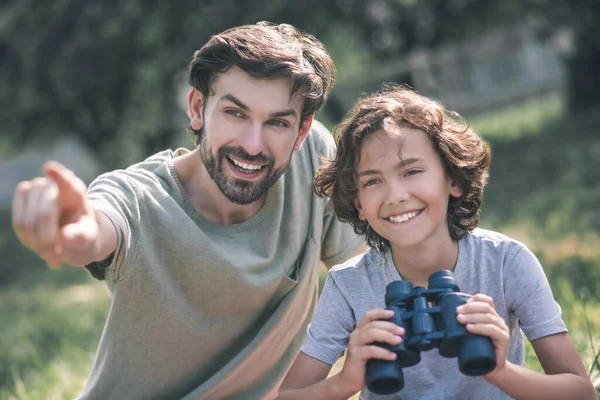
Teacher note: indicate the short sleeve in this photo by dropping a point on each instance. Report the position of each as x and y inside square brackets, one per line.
[530, 298]
[114, 195]
[332, 323]
[339, 242]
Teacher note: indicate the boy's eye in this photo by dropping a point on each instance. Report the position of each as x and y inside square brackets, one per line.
[412, 172]
[234, 113]
[370, 182]
[278, 123]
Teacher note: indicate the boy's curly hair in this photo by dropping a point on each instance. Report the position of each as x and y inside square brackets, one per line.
[465, 156]
[265, 51]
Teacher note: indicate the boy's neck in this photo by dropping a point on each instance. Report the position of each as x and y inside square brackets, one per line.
[416, 264]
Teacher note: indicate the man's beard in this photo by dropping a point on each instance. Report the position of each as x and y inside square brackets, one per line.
[239, 191]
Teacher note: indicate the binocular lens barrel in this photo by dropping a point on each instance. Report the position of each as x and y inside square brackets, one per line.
[384, 377]
[476, 356]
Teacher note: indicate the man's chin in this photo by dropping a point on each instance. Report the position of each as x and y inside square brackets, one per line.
[245, 196]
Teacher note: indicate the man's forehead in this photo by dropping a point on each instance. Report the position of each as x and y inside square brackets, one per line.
[254, 90]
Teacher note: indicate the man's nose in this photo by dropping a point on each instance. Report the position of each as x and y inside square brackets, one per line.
[253, 139]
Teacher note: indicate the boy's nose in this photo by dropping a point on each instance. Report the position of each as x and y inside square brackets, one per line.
[397, 194]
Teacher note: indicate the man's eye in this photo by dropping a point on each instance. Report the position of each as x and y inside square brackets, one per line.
[279, 123]
[234, 113]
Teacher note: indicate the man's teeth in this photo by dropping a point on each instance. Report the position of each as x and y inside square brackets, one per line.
[404, 217]
[246, 166]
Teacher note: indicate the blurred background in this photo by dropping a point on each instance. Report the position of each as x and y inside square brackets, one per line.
[99, 85]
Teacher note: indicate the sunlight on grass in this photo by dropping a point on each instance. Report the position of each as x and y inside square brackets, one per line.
[46, 350]
[527, 118]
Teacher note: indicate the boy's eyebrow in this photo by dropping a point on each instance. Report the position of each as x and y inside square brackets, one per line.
[402, 163]
[276, 114]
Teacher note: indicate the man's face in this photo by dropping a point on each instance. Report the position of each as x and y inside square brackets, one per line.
[250, 128]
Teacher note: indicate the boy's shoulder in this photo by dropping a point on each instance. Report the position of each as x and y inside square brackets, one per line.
[367, 263]
[487, 238]
[489, 248]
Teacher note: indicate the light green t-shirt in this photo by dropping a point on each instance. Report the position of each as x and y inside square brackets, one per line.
[202, 310]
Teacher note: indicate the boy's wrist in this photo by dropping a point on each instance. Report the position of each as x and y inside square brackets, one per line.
[339, 389]
[501, 375]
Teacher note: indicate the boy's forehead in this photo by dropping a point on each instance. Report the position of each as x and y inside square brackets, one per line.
[398, 138]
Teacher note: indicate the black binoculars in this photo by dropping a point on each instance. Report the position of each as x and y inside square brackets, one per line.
[428, 316]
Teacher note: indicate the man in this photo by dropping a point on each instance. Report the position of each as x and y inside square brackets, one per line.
[211, 255]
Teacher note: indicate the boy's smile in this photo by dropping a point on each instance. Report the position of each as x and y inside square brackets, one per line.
[405, 217]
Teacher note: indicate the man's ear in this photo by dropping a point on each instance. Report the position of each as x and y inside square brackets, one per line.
[194, 111]
[304, 131]
[361, 214]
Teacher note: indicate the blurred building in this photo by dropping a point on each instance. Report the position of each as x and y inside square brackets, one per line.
[28, 164]
[476, 75]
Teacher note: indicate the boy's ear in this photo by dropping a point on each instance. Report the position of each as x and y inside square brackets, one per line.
[304, 131]
[194, 111]
[361, 213]
[455, 189]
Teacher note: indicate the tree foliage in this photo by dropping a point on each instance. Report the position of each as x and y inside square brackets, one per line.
[111, 72]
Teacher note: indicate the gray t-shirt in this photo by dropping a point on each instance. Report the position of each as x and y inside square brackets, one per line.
[489, 263]
[202, 310]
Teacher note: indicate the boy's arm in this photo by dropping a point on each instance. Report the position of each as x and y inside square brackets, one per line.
[307, 379]
[565, 376]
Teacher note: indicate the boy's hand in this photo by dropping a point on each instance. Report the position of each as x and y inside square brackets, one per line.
[361, 348]
[481, 318]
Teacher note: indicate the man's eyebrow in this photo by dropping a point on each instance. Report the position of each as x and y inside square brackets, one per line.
[276, 114]
[402, 163]
[284, 113]
[235, 100]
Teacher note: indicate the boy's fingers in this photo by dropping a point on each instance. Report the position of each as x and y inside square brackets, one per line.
[374, 315]
[476, 307]
[480, 318]
[480, 297]
[491, 330]
[372, 351]
[375, 335]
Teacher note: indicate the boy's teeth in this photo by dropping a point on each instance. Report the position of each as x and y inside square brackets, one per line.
[246, 166]
[404, 217]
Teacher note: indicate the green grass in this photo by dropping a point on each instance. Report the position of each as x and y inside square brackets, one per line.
[523, 119]
[49, 335]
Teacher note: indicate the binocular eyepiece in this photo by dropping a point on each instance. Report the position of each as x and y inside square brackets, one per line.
[428, 316]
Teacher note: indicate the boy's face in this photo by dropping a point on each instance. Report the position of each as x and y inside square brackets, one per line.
[403, 190]
[250, 128]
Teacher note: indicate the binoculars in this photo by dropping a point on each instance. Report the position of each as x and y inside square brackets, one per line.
[428, 316]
